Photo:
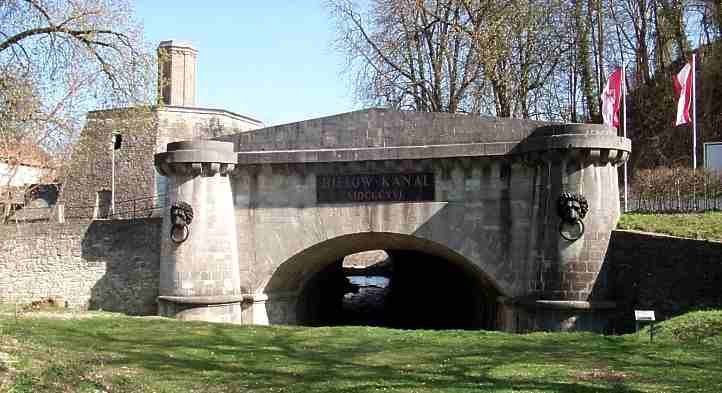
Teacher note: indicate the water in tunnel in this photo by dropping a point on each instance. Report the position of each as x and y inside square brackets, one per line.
[400, 289]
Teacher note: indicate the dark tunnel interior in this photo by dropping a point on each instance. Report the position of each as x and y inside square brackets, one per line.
[408, 290]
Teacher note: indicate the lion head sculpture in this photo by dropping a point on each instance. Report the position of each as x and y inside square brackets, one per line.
[572, 207]
[181, 216]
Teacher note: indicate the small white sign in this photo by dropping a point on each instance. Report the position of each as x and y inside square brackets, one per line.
[644, 315]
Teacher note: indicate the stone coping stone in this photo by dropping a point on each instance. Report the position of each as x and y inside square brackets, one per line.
[559, 304]
[574, 129]
[574, 304]
[494, 149]
[575, 141]
[136, 111]
[207, 111]
[221, 299]
[665, 235]
[177, 44]
[376, 154]
[186, 152]
[200, 145]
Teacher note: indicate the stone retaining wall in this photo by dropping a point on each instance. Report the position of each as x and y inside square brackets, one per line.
[114, 266]
[666, 274]
[109, 265]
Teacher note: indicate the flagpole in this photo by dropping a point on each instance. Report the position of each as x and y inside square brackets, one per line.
[624, 125]
[694, 112]
[112, 175]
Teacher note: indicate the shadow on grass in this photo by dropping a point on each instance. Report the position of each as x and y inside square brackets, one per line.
[231, 358]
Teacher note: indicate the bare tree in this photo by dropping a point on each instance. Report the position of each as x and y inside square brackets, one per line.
[407, 58]
[583, 24]
[528, 48]
[477, 56]
[671, 37]
[61, 58]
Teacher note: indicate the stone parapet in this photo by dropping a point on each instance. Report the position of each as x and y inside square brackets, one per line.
[584, 143]
[383, 135]
[203, 158]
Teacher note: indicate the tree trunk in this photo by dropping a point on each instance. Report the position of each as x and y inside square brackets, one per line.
[583, 56]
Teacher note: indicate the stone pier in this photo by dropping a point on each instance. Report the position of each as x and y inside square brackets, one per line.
[199, 276]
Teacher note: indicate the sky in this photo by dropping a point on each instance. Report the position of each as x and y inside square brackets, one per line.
[271, 60]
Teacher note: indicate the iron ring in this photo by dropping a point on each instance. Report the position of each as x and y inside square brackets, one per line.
[571, 239]
[184, 229]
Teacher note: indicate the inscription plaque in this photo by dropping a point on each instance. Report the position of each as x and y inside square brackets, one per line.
[389, 187]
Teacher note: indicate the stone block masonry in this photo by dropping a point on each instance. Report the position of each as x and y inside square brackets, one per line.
[114, 266]
[669, 275]
[307, 194]
[145, 131]
[108, 265]
[199, 278]
[177, 68]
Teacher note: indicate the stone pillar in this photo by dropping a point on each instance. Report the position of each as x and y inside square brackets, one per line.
[177, 73]
[199, 277]
[579, 159]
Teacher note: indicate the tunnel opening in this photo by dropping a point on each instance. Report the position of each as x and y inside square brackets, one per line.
[405, 289]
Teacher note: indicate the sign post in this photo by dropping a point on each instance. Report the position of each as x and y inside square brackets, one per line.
[645, 316]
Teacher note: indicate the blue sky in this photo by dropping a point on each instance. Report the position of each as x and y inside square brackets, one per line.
[271, 60]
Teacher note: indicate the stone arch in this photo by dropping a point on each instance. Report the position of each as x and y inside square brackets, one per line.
[293, 276]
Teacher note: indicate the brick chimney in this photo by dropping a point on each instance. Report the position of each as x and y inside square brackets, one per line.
[177, 73]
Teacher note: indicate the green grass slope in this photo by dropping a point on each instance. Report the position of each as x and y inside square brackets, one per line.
[696, 226]
[112, 353]
[702, 327]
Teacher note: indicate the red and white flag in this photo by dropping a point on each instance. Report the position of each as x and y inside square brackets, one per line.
[683, 88]
[612, 99]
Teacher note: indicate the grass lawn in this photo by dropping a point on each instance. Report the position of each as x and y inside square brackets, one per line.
[104, 352]
[696, 226]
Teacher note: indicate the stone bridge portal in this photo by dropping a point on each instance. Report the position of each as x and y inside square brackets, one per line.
[465, 207]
